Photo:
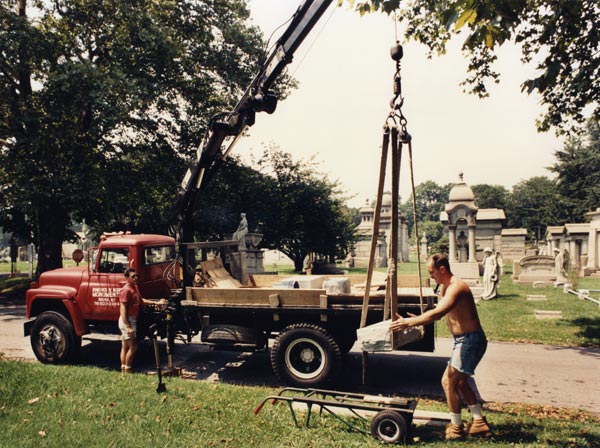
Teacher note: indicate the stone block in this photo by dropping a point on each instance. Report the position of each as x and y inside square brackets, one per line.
[547, 314]
[337, 285]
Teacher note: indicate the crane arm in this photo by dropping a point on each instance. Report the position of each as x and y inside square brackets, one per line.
[257, 98]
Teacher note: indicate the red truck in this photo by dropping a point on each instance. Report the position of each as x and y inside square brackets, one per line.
[310, 329]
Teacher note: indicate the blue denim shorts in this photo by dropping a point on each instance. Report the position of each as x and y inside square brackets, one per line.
[467, 351]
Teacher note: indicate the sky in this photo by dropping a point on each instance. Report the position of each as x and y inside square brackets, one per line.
[345, 73]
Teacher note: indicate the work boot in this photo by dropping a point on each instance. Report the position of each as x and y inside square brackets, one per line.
[454, 432]
[479, 428]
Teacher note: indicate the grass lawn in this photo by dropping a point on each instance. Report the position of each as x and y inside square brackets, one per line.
[64, 406]
[510, 317]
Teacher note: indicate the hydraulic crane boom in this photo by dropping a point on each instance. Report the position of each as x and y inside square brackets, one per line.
[257, 98]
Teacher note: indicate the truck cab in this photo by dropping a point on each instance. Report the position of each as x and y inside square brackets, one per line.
[67, 303]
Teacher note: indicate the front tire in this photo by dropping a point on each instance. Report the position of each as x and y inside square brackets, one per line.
[305, 355]
[53, 339]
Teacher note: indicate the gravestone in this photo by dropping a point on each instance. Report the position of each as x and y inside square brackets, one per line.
[534, 268]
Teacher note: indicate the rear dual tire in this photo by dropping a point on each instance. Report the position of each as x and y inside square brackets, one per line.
[305, 355]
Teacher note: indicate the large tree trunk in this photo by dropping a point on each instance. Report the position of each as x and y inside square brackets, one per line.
[51, 225]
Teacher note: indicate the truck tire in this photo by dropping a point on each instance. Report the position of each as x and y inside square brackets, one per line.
[53, 339]
[389, 427]
[305, 355]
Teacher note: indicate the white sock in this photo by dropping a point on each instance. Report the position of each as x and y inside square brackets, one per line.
[476, 410]
[455, 419]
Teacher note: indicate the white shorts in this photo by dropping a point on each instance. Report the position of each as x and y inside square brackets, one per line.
[123, 328]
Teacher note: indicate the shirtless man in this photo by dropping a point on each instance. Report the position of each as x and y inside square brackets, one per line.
[458, 305]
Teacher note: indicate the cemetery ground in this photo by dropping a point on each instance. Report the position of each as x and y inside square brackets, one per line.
[57, 406]
[81, 405]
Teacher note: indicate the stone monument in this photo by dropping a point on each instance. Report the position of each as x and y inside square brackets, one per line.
[461, 209]
[491, 274]
[561, 266]
[249, 257]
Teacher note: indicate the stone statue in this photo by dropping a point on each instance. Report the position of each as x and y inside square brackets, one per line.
[561, 265]
[240, 233]
[307, 265]
[491, 275]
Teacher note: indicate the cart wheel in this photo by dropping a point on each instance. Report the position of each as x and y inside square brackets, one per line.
[389, 427]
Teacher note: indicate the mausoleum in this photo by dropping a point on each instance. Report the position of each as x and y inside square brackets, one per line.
[364, 232]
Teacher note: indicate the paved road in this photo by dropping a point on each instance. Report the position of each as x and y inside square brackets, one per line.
[524, 373]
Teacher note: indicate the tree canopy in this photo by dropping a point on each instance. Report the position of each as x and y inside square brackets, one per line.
[307, 210]
[578, 173]
[561, 37]
[102, 104]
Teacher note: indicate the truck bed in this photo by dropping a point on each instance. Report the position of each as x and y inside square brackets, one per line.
[298, 298]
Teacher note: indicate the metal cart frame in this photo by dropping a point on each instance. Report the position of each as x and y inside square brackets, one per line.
[390, 424]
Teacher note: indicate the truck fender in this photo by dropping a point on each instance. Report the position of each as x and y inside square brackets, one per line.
[46, 299]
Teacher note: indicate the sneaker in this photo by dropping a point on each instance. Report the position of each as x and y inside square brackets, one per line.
[479, 428]
[455, 431]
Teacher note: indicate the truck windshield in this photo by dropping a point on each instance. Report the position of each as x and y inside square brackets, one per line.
[158, 254]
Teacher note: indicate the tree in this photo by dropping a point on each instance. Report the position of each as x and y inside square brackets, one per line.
[535, 204]
[564, 33]
[103, 103]
[490, 196]
[306, 213]
[578, 173]
[431, 199]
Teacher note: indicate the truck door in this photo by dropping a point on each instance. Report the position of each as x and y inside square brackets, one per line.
[105, 280]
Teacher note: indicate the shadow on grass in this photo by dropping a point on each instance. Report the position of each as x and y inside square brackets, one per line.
[512, 434]
[508, 296]
[589, 329]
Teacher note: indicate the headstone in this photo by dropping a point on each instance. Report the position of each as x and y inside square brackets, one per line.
[535, 268]
[536, 297]
[546, 314]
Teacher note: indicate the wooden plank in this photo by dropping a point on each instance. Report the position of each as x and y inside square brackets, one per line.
[256, 296]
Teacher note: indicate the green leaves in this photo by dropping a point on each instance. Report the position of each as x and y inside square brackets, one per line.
[103, 103]
[566, 33]
[469, 16]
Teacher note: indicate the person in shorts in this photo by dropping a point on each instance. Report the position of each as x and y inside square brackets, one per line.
[470, 343]
[130, 304]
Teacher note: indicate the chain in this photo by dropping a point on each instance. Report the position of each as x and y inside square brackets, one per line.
[396, 116]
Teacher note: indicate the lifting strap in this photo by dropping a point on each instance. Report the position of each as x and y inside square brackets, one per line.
[396, 133]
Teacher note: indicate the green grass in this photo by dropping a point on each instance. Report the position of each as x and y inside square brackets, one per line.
[510, 317]
[61, 406]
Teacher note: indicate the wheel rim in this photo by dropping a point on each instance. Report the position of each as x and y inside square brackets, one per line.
[305, 358]
[388, 430]
[51, 342]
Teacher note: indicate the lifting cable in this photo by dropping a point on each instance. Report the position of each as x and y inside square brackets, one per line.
[394, 132]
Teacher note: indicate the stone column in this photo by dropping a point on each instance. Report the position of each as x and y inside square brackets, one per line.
[592, 249]
[452, 243]
[472, 247]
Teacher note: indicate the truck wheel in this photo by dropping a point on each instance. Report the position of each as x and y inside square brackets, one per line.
[389, 427]
[53, 339]
[305, 355]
